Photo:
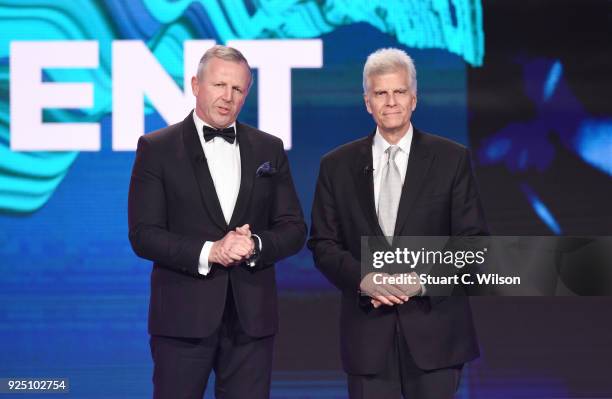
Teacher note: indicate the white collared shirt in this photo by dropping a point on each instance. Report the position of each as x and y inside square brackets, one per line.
[379, 146]
[223, 161]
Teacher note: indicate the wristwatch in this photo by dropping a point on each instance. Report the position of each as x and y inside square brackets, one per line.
[252, 260]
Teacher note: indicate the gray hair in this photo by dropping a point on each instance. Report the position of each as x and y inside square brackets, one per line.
[225, 53]
[386, 60]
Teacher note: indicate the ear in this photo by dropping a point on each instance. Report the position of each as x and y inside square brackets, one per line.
[367, 103]
[414, 103]
[195, 87]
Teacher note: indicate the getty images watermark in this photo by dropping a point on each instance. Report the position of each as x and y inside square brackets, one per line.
[457, 258]
[491, 265]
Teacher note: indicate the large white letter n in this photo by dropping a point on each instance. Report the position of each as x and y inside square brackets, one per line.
[136, 73]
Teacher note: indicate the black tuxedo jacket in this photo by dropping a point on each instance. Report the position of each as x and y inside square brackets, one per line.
[439, 198]
[173, 209]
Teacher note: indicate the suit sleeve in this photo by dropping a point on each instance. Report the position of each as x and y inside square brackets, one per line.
[147, 217]
[330, 256]
[286, 233]
[467, 219]
[467, 215]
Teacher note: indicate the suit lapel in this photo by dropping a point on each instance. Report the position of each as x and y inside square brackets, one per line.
[364, 183]
[247, 175]
[193, 146]
[419, 162]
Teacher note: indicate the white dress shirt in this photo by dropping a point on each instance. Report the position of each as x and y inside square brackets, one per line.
[223, 161]
[379, 146]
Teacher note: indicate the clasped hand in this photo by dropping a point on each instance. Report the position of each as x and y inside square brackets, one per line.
[234, 248]
[388, 294]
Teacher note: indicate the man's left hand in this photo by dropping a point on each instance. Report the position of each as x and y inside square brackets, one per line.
[410, 290]
[244, 230]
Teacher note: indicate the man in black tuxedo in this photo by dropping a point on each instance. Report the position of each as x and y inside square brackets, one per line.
[398, 181]
[212, 204]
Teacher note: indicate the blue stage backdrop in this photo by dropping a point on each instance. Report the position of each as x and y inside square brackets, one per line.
[73, 296]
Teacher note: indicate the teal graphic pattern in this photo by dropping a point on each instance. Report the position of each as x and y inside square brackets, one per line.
[28, 179]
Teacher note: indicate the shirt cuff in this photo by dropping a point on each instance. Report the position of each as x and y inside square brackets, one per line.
[204, 265]
[259, 241]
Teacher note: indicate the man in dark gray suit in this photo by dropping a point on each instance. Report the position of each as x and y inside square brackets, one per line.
[396, 181]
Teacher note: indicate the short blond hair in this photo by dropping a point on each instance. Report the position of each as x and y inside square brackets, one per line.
[225, 53]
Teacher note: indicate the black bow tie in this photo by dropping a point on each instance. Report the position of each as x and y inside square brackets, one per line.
[228, 134]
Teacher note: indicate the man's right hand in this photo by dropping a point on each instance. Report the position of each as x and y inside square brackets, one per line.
[232, 249]
[386, 294]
